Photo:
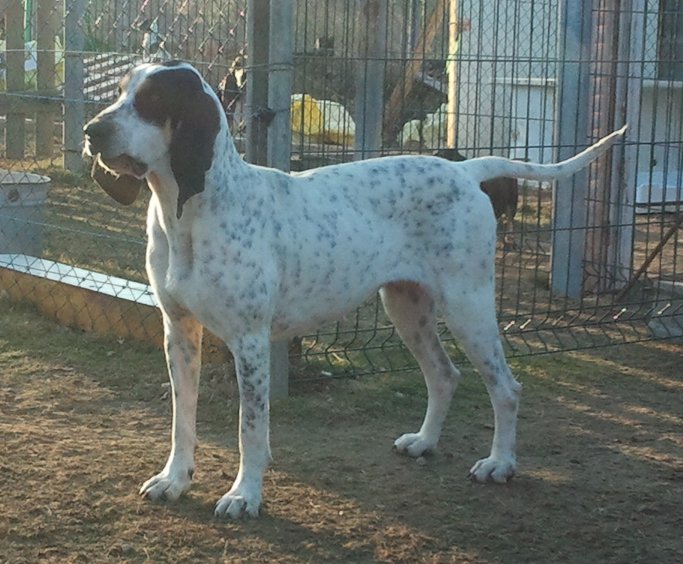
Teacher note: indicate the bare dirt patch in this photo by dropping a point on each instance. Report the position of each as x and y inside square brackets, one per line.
[84, 421]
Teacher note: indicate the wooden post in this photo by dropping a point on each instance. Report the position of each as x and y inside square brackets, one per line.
[452, 69]
[15, 77]
[46, 71]
[571, 127]
[608, 249]
[404, 86]
[74, 98]
[372, 47]
[603, 105]
[280, 77]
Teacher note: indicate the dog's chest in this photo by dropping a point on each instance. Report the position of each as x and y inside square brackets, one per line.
[221, 276]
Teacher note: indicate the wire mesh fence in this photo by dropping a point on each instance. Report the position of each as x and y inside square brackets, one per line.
[591, 262]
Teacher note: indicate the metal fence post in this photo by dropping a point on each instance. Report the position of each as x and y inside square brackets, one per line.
[74, 97]
[372, 48]
[256, 147]
[280, 77]
[281, 59]
[632, 48]
[259, 37]
[571, 134]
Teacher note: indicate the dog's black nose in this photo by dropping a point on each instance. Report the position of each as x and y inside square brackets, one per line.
[98, 129]
[97, 132]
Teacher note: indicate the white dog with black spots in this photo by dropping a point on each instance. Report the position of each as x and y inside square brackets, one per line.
[254, 254]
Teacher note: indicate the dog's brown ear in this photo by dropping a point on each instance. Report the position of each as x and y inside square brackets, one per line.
[124, 189]
[192, 143]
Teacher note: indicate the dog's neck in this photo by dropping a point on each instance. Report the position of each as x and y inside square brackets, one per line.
[225, 157]
[164, 187]
[223, 179]
[227, 168]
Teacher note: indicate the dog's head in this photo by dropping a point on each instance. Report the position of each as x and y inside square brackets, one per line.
[164, 113]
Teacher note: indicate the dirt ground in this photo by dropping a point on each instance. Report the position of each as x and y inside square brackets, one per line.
[84, 421]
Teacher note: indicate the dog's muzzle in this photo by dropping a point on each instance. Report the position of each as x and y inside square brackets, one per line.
[97, 135]
[98, 138]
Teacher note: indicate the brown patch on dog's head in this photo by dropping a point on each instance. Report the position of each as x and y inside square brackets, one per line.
[176, 96]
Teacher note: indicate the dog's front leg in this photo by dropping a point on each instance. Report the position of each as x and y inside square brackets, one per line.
[252, 364]
[182, 342]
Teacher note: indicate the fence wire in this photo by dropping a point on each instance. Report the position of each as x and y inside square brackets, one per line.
[485, 83]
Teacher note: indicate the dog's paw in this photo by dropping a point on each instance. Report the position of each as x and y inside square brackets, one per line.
[239, 502]
[414, 444]
[167, 486]
[498, 470]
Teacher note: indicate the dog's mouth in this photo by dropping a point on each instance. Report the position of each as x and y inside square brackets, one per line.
[124, 164]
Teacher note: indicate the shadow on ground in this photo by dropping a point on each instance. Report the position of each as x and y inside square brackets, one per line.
[83, 422]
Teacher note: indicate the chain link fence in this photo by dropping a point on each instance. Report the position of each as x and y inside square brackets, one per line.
[592, 263]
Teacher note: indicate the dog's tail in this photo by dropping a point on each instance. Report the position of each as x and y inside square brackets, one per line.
[487, 168]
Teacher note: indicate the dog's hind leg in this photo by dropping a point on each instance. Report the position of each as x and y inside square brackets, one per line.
[411, 309]
[470, 315]
[509, 235]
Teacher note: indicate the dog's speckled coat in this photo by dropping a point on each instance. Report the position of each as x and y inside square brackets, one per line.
[255, 254]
